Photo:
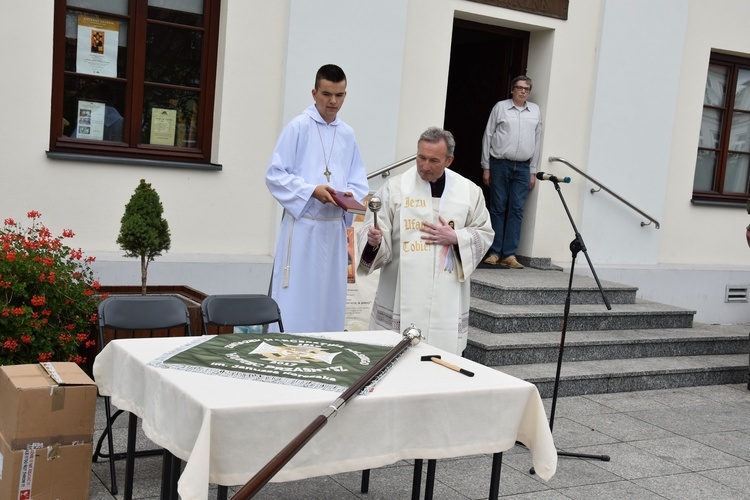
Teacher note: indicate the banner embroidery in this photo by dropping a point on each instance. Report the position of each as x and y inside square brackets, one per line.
[280, 358]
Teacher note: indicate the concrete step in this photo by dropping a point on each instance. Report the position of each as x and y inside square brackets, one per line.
[543, 347]
[517, 317]
[624, 375]
[497, 318]
[534, 286]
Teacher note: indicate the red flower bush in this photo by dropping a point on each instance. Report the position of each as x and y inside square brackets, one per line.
[48, 299]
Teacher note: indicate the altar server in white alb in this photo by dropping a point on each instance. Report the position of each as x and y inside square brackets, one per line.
[434, 229]
[316, 155]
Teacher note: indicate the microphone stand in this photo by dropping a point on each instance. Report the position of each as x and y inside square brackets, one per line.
[577, 245]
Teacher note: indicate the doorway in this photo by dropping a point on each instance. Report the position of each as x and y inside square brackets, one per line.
[484, 60]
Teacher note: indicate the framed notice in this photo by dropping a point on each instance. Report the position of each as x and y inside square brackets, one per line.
[163, 123]
[97, 45]
[90, 120]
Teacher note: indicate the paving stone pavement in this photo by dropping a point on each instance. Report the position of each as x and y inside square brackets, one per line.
[678, 444]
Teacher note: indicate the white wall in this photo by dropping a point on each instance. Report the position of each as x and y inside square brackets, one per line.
[565, 92]
[366, 39]
[702, 234]
[620, 84]
[638, 71]
[699, 250]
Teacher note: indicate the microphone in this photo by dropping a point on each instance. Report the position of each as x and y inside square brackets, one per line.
[551, 177]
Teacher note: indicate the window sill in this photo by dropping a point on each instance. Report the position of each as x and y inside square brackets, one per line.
[718, 203]
[132, 161]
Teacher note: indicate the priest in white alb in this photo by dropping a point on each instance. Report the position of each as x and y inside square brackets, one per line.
[433, 230]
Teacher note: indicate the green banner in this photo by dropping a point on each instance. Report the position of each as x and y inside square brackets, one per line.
[281, 358]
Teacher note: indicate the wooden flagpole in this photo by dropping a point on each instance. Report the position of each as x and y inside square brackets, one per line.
[412, 336]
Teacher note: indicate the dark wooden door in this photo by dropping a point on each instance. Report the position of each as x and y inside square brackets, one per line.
[484, 60]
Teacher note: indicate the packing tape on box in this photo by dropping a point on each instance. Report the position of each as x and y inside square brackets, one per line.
[53, 451]
[58, 398]
[50, 369]
[27, 473]
[43, 441]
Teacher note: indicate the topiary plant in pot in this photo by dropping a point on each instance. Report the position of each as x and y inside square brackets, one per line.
[144, 233]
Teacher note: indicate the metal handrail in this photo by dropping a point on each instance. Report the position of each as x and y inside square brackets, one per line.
[386, 171]
[602, 186]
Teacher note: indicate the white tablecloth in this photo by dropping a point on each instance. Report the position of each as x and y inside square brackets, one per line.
[227, 429]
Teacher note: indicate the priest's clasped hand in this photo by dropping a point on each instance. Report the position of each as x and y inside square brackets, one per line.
[439, 235]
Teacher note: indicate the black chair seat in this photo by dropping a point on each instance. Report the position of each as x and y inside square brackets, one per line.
[129, 317]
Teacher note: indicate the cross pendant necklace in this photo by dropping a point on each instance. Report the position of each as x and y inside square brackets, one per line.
[327, 159]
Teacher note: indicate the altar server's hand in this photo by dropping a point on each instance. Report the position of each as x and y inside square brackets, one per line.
[323, 192]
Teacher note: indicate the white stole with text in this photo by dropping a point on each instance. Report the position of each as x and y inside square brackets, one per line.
[430, 290]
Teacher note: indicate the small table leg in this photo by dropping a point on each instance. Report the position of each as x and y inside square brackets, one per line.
[429, 486]
[222, 492]
[166, 474]
[497, 464]
[365, 485]
[170, 474]
[174, 478]
[416, 484]
[130, 457]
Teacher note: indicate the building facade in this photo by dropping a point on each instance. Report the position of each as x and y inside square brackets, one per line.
[647, 97]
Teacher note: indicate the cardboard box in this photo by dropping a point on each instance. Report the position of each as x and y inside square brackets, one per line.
[48, 404]
[49, 473]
